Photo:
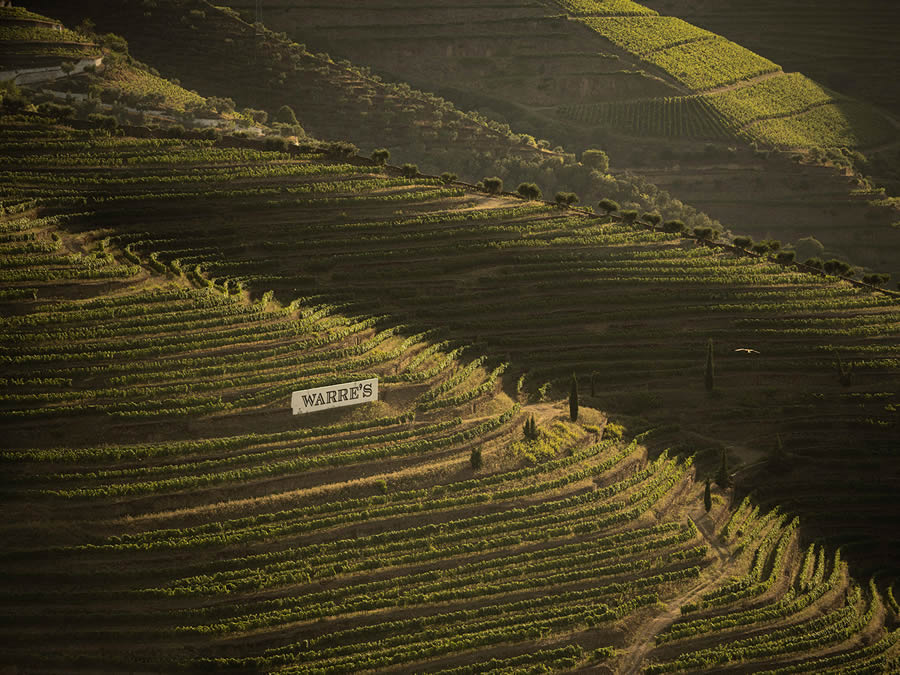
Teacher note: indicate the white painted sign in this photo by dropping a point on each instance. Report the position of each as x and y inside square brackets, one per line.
[334, 396]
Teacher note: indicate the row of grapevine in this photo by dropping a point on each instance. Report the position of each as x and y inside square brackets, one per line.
[669, 117]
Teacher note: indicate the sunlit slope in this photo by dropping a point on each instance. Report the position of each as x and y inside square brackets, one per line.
[236, 537]
[708, 63]
[845, 48]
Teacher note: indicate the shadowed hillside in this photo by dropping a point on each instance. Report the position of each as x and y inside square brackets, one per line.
[693, 112]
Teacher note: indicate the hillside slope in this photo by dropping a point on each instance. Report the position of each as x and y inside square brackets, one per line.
[166, 511]
[846, 48]
[625, 306]
[667, 100]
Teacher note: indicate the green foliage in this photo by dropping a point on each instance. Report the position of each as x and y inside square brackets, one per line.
[611, 7]
[448, 177]
[669, 116]
[838, 268]
[595, 159]
[614, 431]
[258, 116]
[103, 121]
[743, 242]
[710, 63]
[643, 35]
[608, 205]
[529, 191]
[809, 247]
[786, 257]
[653, 219]
[475, 458]
[285, 115]
[493, 184]
[409, 170]
[876, 279]
[564, 199]
[381, 156]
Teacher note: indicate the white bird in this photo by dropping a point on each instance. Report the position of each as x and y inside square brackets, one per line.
[747, 350]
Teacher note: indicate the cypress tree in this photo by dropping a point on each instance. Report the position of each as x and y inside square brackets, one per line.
[475, 459]
[723, 479]
[573, 399]
[530, 429]
[710, 366]
[707, 497]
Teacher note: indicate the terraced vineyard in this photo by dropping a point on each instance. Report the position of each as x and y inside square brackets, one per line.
[844, 50]
[37, 38]
[681, 116]
[552, 77]
[166, 509]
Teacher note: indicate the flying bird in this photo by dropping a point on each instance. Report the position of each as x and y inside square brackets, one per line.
[747, 350]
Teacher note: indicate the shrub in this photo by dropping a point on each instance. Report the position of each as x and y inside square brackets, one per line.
[674, 226]
[258, 116]
[743, 242]
[277, 143]
[448, 177]
[493, 184]
[529, 191]
[876, 279]
[475, 459]
[103, 121]
[566, 198]
[838, 267]
[595, 159]
[786, 257]
[653, 219]
[409, 170]
[285, 115]
[56, 110]
[381, 156]
[341, 149]
[211, 134]
[608, 205]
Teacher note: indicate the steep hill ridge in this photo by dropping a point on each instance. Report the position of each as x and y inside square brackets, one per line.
[206, 528]
[555, 77]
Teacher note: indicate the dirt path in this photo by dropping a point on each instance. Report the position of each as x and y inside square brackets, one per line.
[643, 639]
